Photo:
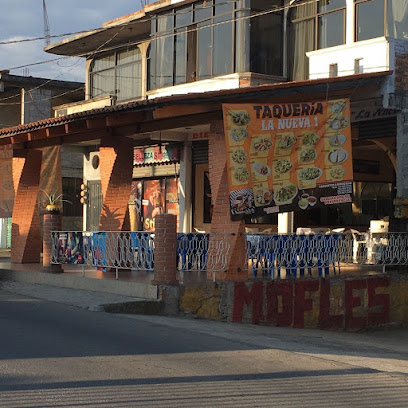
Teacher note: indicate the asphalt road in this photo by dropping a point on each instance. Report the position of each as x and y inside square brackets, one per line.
[54, 355]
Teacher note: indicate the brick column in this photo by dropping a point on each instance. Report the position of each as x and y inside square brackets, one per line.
[52, 222]
[165, 250]
[26, 239]
[116, 164]
[221, 218]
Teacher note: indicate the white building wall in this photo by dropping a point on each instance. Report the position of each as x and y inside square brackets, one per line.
[374, 56]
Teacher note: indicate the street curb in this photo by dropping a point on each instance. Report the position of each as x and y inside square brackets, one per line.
[63, 280]
[146, 307]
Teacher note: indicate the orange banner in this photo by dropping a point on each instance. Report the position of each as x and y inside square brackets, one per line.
[286, 157]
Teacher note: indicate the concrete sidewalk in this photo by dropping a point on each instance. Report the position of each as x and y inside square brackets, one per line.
[84, 299]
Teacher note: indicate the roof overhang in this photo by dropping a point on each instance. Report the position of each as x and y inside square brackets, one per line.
[101, 39]
[136, 119]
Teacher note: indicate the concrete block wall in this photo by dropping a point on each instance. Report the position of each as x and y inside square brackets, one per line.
[338, 303]
[401, 72]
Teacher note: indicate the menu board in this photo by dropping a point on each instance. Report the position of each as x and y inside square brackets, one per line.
[288, 157]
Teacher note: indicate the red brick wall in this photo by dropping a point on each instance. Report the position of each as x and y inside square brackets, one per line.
[26, 234]
[116, 166]
[221, 218]
[165, 249]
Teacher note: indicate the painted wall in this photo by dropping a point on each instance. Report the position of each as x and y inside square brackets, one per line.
[374, 54]
[337, 303]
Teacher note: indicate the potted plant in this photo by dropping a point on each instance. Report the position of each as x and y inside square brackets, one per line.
[54, 202]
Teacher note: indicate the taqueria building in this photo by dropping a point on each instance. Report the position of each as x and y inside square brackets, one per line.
[320, 153]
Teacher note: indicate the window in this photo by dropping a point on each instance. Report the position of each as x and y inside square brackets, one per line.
[118, 74]
[377, 18]
[266, 31]
[314, 25]
[206, 40]
[369, 19]
[397, 13]
[71, 191]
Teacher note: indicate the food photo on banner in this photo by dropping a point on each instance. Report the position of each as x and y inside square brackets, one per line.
[287, 157]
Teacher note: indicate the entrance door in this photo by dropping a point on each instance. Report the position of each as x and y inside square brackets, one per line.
[94, 205]
[202, 198]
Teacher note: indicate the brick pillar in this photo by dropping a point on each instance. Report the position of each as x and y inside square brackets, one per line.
[26, 239]
[221, 218]
[165, 250]
[52, 222]
[116, 165]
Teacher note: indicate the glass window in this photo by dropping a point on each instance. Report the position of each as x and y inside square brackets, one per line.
[126, 57]
[302, 41]
[184, 17]
[266, 54]
[328, 17]
[222, 45]
[204, 42]
[103, 83]
[128, 81]
[329, 5]
[165, 22]
[180, 62]
[331, 29]
[398, 19]
[202, 12]
[103, 63]
[369, 19]
[123, 79]
[308, 9]
[222, 7]
[164, 61]
[164, 51]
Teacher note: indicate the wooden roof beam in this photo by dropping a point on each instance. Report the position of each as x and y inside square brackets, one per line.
[96, 123]
[4, 141]
[79, 126]
[127, 118]
[19, 138]
[182, 110]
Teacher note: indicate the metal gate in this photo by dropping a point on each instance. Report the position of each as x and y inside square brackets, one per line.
[94, 206]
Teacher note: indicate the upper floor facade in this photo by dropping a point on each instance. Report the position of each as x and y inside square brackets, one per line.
[177, 47]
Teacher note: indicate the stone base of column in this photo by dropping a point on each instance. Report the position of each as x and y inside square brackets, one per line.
[52, 269]
[164, 282]
[227, 276]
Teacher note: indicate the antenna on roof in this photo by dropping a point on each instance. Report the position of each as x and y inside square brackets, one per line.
[143, 3]
[46, 25]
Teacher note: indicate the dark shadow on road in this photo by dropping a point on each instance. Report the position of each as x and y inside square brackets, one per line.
[12, 384]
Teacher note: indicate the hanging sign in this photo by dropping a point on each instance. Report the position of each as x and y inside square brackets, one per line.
[287, 157]
[156, 155]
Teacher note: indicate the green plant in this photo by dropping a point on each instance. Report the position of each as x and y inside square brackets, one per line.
[55, 198]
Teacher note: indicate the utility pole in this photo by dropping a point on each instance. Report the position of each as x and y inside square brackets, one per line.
[46, 24]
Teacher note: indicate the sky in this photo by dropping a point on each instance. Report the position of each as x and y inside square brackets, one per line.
[23, 19]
